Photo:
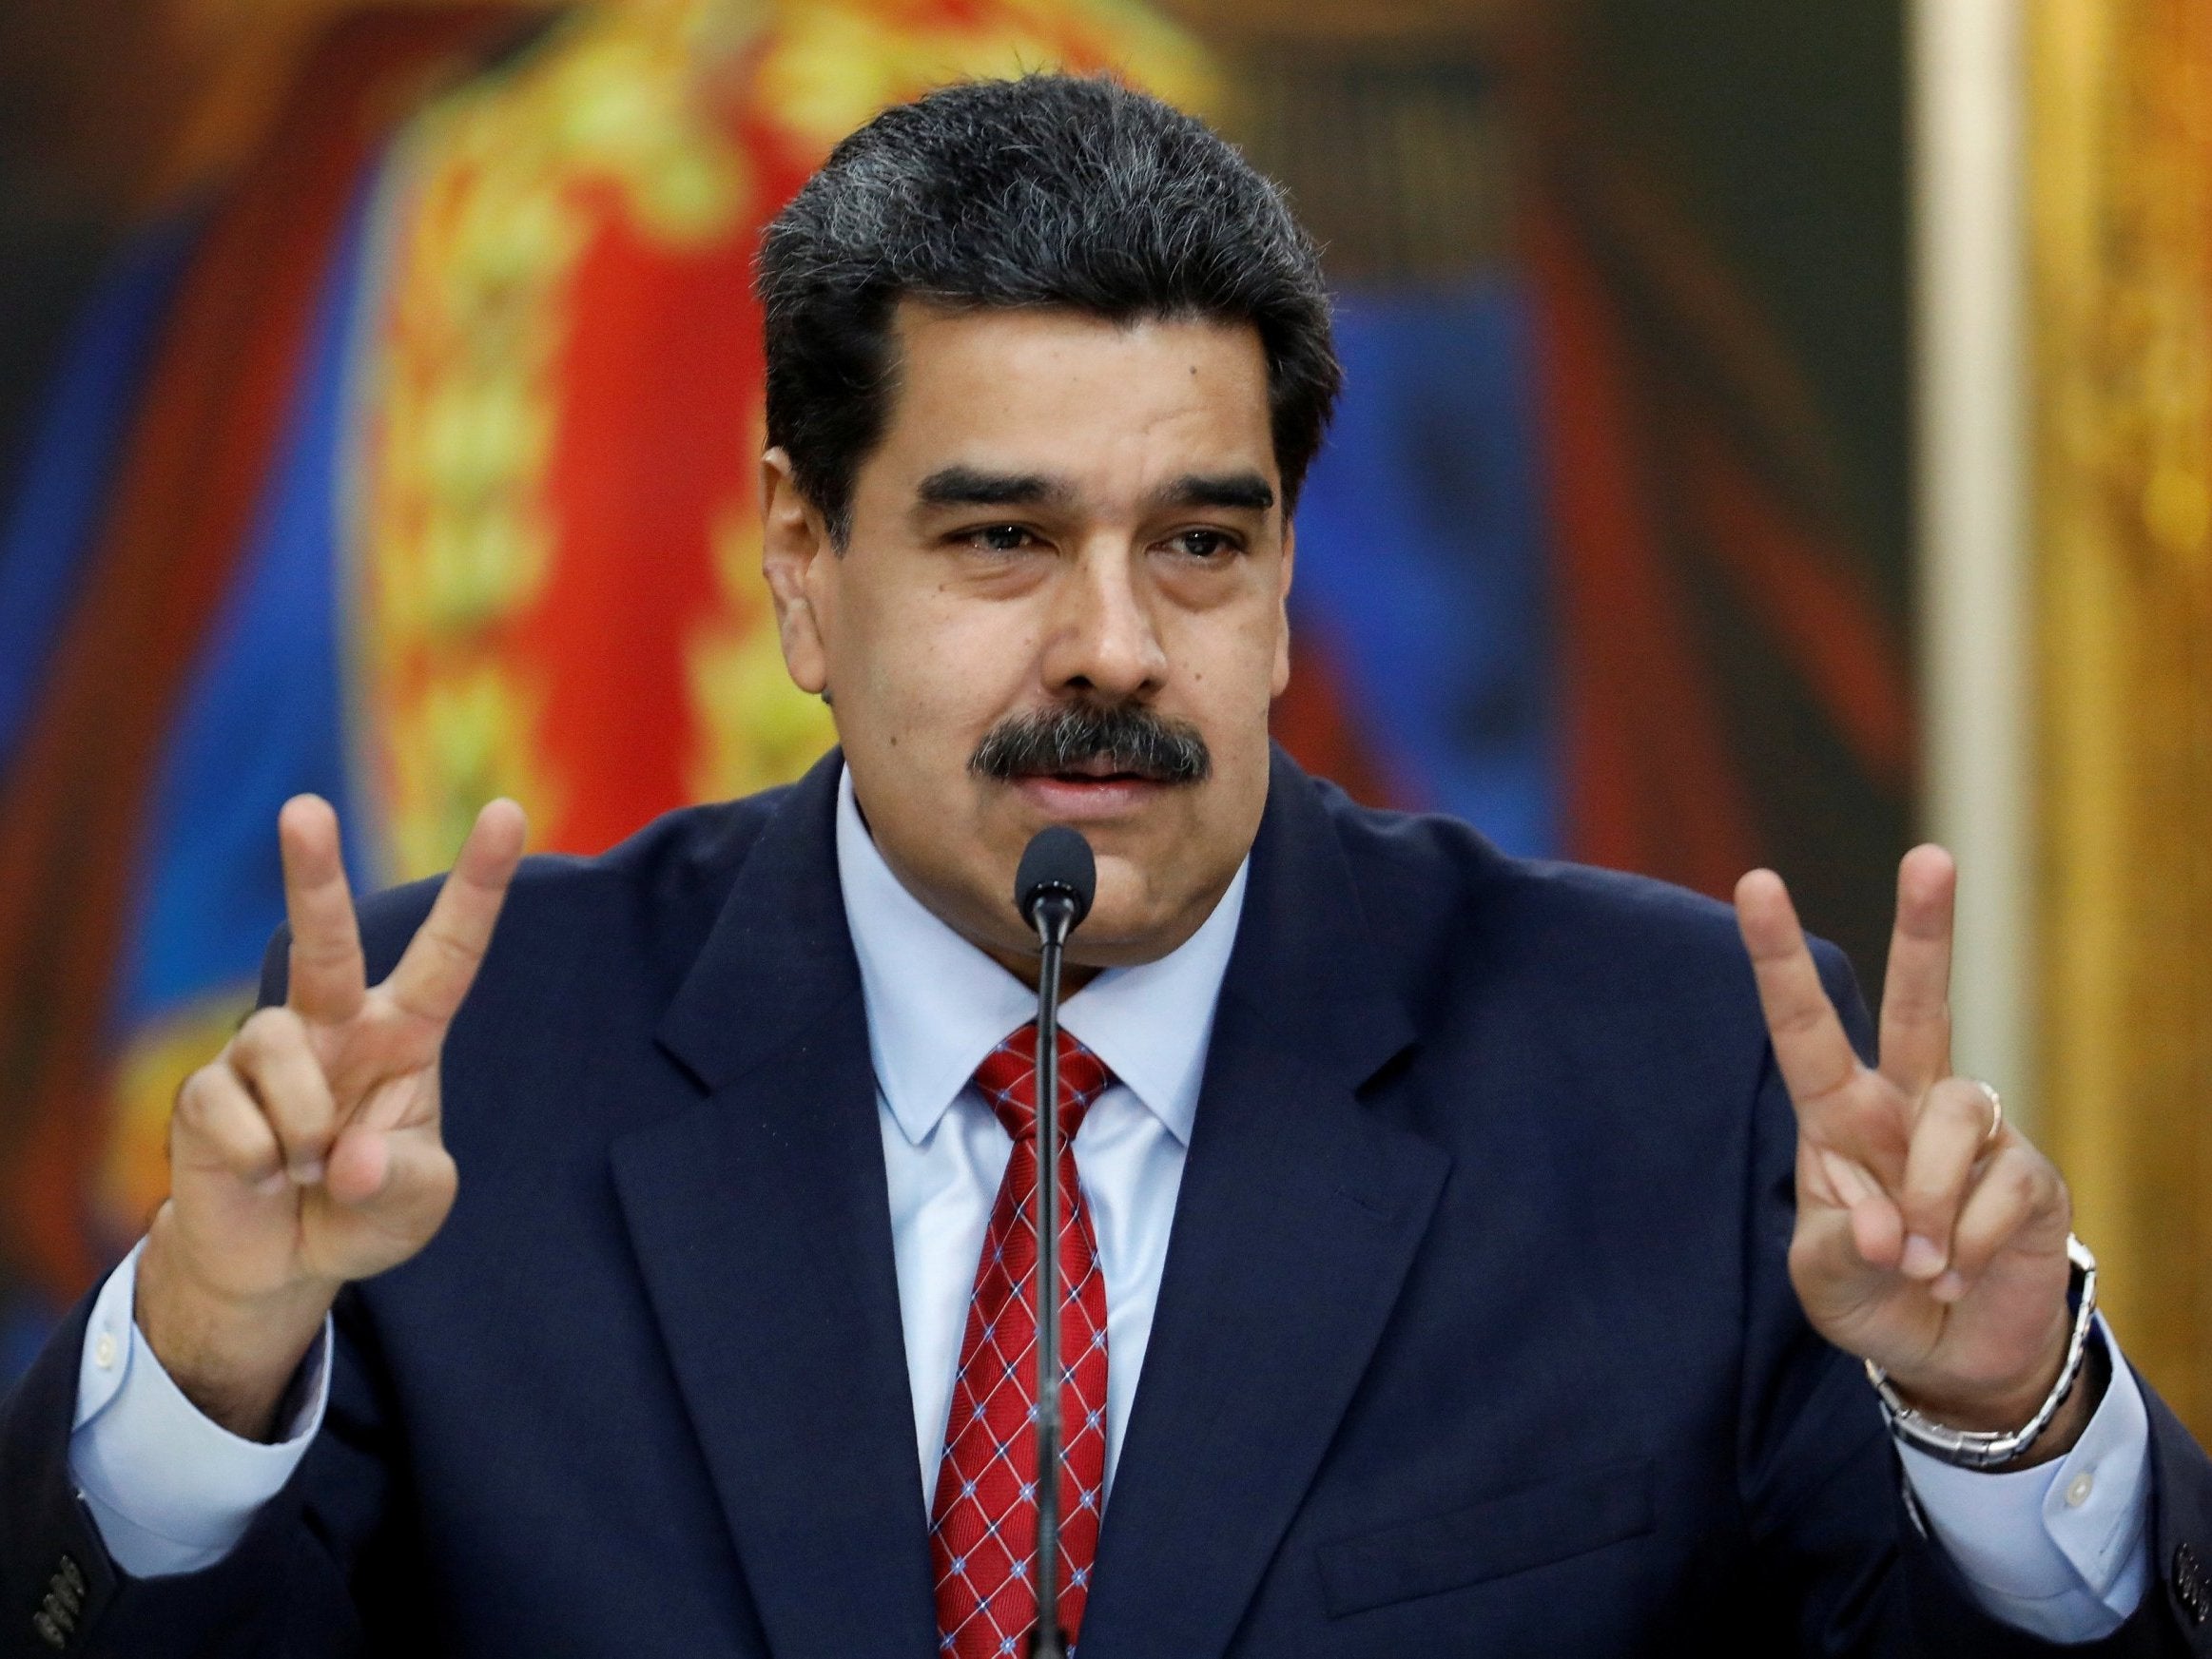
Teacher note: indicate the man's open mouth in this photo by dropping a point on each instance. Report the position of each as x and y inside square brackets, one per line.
[1099, 769]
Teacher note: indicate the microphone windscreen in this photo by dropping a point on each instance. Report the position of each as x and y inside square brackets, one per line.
[1056, 859]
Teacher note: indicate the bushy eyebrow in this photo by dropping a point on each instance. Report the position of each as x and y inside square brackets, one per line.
[972, 487]
[1235, 492]
[1242, 491]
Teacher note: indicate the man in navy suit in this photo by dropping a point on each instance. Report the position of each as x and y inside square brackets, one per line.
[1466, 1264]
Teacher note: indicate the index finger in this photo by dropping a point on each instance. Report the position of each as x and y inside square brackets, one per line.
[326, 980]
[1815, 1056]
[440, 961]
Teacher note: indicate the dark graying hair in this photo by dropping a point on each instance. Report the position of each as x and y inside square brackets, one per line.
[1049, 190]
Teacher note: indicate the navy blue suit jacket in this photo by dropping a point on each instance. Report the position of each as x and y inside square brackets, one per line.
[1474, 1336]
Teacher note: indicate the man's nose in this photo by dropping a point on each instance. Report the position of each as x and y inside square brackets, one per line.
[1103, 635]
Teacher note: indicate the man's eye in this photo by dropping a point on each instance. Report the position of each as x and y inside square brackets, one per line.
[1205, 545]
[1000, 539]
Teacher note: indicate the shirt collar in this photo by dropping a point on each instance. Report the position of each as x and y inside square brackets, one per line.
[937, 1004]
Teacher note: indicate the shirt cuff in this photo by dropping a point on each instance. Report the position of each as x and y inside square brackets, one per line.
[2058, 1549]
[170, 1489]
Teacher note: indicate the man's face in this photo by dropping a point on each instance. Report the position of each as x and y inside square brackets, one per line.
[1065, 514]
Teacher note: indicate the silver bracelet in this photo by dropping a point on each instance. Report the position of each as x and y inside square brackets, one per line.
[1971, 1449]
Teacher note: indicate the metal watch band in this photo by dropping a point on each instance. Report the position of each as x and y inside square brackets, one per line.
[1973, 1450]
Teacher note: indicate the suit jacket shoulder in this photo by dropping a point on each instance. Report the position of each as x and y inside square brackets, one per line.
[1636, 977]
[654, 893]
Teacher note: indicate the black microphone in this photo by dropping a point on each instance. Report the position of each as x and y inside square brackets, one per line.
[1053, 890]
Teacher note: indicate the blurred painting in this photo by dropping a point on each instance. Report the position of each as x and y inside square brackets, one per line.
[401, 444]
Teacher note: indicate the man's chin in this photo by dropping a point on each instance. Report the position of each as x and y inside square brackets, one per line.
[1133, 919]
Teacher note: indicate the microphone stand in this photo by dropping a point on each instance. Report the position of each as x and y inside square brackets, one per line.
[1053, 914]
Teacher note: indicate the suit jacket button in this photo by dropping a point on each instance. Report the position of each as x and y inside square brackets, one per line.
[71, 1574]
[49, 1633]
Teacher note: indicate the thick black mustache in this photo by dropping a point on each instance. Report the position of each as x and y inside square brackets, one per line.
[1129, 739]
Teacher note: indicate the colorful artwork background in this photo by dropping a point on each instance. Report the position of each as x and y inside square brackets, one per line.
[415, 462]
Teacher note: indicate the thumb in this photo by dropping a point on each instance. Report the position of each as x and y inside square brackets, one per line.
[1849, 1231]
[403, 1179]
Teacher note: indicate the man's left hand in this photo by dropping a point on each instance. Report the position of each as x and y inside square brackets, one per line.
[1930, 1236]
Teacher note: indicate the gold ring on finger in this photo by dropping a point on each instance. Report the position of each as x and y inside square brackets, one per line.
[1997, 1109]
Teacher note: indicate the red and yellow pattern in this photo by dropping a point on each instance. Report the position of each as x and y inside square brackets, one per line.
[549, 499]
[557, 514]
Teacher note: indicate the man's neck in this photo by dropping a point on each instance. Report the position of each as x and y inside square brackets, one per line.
[1024, 967]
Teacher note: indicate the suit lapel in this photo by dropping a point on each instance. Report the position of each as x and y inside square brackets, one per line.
[761, 1221]
[1299, 1213]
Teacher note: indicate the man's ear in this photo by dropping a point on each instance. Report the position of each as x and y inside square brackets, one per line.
[794, 544]
[1281, 674]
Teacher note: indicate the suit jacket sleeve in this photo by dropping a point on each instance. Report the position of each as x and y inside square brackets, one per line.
[1816, 1459]
[317, 1556]
[325, 1569]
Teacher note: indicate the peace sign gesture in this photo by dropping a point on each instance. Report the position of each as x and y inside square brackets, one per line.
[1930, 1237]
[309, 1153]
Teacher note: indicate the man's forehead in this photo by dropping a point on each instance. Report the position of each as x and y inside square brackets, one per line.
[1044, 406]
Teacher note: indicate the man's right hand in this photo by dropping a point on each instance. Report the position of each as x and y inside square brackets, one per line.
[310, 1152]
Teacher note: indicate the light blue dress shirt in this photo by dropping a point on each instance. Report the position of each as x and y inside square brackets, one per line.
[2058, 1549]
[936, 1007]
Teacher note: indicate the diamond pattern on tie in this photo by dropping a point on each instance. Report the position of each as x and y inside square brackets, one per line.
[983, 1525]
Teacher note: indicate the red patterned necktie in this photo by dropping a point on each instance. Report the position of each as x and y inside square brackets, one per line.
[982, 1533]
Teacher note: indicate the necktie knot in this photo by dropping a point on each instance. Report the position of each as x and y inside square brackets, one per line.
[1008, 1080]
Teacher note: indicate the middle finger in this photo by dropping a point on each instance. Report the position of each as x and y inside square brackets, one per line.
[1917, 985]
